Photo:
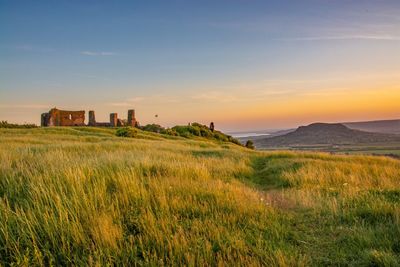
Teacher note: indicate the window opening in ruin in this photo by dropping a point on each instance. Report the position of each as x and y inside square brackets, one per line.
[70, 116]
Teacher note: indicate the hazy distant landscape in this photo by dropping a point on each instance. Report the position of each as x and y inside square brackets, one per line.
[374, 138]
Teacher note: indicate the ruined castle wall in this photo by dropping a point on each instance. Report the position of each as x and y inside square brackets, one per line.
[56, 117]
[72, 118]
[66, 118]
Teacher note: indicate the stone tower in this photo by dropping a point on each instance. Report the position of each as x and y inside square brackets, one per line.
[113, 119]
[212, 126]
[131, 118]
[44, 119]
[92, 118]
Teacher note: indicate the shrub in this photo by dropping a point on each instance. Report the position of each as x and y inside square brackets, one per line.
[234, 140]
[185, 134]
[182, 130]
[205, 133]
[171, 132]
[220, 136]
[250, 144]
[196, 124]
[197, 129]
[155, 128]
[126, 132]
[194, 130]
[5, 124]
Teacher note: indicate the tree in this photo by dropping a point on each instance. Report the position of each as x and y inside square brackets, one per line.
[250, 144]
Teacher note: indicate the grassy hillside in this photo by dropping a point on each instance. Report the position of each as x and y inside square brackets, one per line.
[84, 196]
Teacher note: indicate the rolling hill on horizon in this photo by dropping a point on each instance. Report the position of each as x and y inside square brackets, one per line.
[325, 134]
[377, 126]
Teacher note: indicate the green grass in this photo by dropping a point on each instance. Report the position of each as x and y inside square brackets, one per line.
[376, 151]
[385, 149]
[82, 196]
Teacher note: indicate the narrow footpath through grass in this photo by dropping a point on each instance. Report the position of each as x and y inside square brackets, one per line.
[342, 219]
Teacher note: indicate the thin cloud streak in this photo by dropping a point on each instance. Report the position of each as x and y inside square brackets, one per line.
[24, 106]
[24, 47]
[94, 54]
[151, 100]
[120, 104]
[136, 99]
[217, 96]
[345, 37]
[128, 103]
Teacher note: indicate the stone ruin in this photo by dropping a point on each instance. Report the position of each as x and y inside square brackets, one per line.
[212, 127]
[56, 117]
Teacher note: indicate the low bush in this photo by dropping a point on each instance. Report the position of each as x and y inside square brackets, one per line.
[126, 132]
[5, 124]
[250, 144]
[197, 129]
[182, 130]
[155, 128]
[169, 132]
[220, 136]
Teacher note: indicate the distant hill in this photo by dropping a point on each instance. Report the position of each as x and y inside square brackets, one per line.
[381, 126]
[325, 133]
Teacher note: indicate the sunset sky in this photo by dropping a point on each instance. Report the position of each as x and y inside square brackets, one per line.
[246, 65]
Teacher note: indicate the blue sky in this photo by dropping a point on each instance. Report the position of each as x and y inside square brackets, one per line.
[227, 61]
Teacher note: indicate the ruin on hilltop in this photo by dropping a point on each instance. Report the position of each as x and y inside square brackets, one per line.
[57, 117]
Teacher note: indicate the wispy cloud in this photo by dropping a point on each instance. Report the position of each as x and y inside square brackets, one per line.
[344, 37]
[147, 100]
[128, 102]
[136, 99]
[31, 48]
[94, 53]
[218, 96]
[24, 106]
[24, 47]
[120, 104]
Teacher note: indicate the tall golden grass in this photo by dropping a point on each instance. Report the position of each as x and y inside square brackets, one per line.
[82, 196]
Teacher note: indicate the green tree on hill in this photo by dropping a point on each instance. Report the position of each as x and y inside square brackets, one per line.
[250, 144]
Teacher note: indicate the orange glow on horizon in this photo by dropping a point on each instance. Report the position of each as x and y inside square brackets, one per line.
[357, 105]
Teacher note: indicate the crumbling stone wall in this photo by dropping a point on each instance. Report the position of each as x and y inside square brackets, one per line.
[56, 117]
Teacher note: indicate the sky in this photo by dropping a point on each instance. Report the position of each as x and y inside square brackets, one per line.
[243, 64]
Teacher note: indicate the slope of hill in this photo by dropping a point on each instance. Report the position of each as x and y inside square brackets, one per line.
[381, 126]
[325, 133]
[82, 196]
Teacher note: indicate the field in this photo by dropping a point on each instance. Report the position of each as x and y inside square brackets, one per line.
[382, 149]
[82, 196]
